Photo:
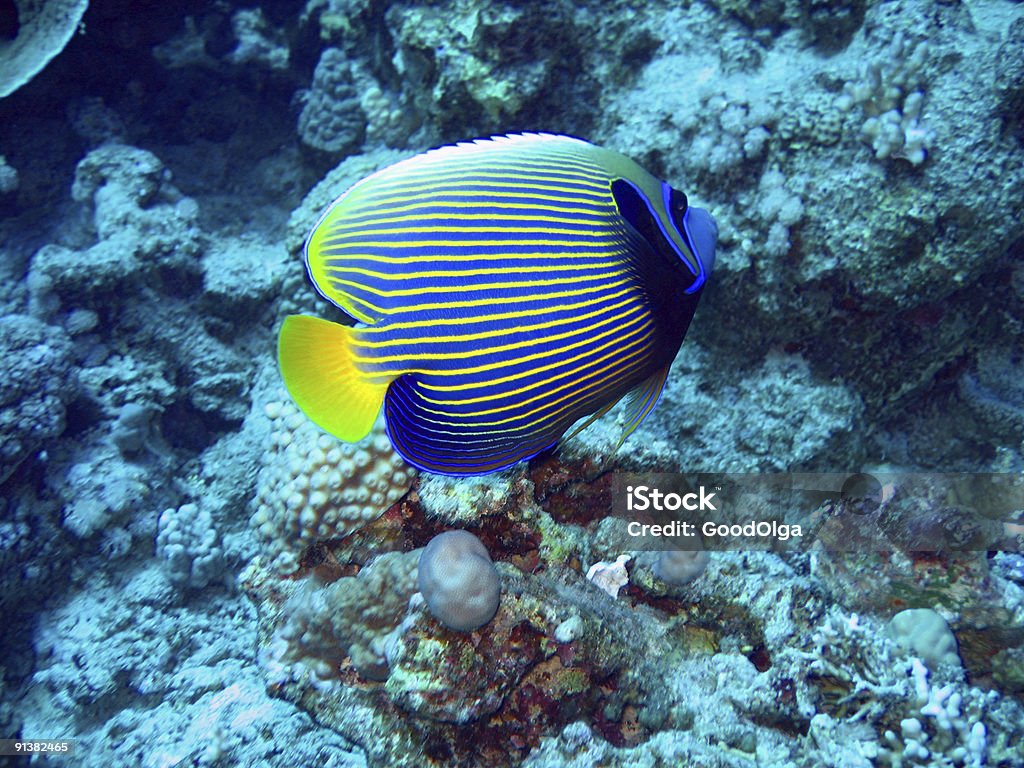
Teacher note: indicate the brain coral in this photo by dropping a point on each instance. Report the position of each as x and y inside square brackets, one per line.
[313, 487]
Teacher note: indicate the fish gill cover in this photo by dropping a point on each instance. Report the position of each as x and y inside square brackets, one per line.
[194, 573]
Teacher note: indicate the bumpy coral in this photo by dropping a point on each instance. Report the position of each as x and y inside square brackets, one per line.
[779, 205]
[814, 121]
[332, 118]
[313, 487]
[387, 122]
[733, 132]
[190, 547]
[37, 384]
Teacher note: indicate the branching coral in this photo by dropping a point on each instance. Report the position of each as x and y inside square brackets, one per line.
[941, 724]
[890, 93]
[190, 546]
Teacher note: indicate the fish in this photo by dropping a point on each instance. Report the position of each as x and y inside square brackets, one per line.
[498, 291]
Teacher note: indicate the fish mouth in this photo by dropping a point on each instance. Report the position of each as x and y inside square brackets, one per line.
[702, 232]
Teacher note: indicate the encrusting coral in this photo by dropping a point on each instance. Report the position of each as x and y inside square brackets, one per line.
[38, 383]
[351, 617]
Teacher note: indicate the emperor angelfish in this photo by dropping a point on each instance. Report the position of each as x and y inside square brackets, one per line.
[502, 289]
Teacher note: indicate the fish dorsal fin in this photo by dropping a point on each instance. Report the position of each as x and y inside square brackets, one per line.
[509, 140]
[500, 150]
[640, 401]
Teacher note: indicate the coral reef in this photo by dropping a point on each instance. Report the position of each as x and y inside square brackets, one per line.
[352, 617]
[194, 574]
[681, 566]
[190, 546]
[452, 55]
[994, 392]
[144, 227]
[1009, 80]
[926, 634]
[890, 95]
[332, 118]
[950, 723]
[8, 177]
[778, 438]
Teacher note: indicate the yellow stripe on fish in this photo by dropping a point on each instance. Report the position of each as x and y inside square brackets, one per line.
[502, 289]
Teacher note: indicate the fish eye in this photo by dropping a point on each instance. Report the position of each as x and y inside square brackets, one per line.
[635, 208]
[677, 205]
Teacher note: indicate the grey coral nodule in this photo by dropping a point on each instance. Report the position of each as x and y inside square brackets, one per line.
[459, 582]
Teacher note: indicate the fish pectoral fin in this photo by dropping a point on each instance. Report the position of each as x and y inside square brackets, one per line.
[641, 401]
[317, 365]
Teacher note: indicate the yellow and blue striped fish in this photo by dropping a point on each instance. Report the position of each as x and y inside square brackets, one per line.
[502, 290]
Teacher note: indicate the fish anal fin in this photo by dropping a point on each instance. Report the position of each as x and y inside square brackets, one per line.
[318, 369]
[590, 420]
[641, 401]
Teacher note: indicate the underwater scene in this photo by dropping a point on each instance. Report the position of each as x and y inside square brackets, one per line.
[511, 383]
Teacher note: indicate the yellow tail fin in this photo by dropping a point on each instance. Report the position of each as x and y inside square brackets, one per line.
[317, 367]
